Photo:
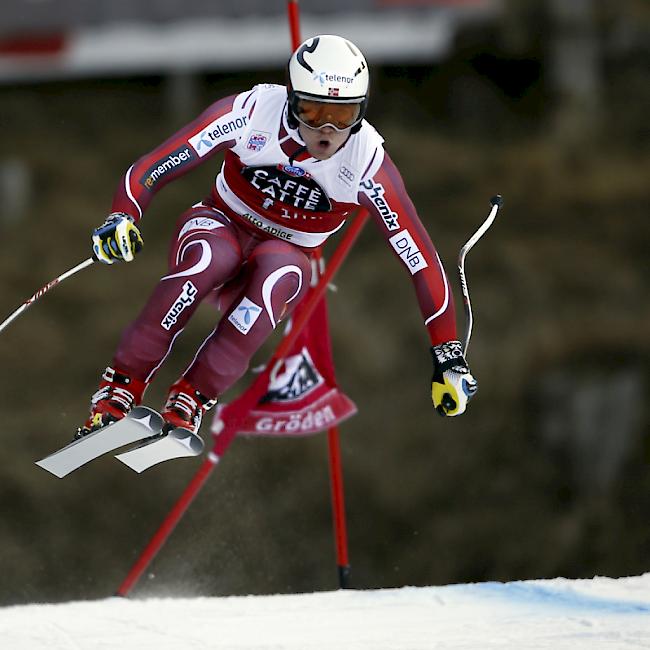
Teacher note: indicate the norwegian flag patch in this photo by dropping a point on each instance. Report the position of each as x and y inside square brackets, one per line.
[333, 92]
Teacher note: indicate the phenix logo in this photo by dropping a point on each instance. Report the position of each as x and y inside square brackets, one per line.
[324, 77]
[184, 300]
[375, 191]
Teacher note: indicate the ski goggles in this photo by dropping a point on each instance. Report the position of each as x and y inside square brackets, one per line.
[317, 114]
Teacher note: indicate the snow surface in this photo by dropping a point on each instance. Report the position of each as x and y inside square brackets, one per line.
[539, 614]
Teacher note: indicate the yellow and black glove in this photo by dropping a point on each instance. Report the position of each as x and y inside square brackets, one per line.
[118, 239]
[452, 385]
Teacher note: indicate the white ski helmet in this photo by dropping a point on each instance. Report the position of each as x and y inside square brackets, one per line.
[330, 70]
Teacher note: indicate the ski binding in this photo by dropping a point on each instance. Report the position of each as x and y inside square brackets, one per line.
[143, 425]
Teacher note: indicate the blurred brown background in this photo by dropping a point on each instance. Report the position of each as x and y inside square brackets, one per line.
[547, 474]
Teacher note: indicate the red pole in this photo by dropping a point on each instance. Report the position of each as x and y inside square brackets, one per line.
[336, 474]
[311, 300]
[294, 23]
[223, 441]
[168, 525]
[338, 508]
[332, 267]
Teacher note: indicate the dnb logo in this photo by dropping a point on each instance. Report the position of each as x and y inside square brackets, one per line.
[293, 379]
[405, 246]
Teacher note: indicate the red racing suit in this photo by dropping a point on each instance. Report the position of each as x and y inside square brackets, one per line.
[270, 204]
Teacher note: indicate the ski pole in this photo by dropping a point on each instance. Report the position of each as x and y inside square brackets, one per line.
[496, 202]
[43, 290]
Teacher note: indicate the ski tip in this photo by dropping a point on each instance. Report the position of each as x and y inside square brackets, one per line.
[497, 200]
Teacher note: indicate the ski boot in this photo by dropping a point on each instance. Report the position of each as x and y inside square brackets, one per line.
[185, 407]
[117, 395]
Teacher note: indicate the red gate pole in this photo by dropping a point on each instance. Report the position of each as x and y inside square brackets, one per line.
[165, 530]
[294, 23]
[336, 472]
[223, 441]
[338, 508]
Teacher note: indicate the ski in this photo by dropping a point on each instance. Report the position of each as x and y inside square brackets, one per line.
[178, 443]
[140, 423]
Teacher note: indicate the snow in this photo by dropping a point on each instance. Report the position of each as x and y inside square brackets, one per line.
[554, 614]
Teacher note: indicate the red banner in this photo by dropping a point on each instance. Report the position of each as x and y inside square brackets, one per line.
[297, 395]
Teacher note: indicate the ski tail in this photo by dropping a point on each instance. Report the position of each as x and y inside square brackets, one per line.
[178, 443]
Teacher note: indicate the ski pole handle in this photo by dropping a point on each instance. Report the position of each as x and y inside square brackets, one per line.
[43, 290]
[496, 202]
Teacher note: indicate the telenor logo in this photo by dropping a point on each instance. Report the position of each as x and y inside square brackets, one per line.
[244, 315]
[220, 130]
[325, 77]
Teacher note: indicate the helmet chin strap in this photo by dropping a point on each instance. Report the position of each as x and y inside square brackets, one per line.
[292, 120]
[296, 153]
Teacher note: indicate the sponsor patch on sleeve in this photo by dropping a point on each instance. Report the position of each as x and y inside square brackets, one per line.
[220, 130]
[375, 192]
[257, 140]
[406, 248]
[173, 161]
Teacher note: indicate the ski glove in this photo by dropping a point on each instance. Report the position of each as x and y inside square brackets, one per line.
[452, 385]
[117, 239]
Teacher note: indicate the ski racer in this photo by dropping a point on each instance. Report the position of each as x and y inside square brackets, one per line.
[298, 160]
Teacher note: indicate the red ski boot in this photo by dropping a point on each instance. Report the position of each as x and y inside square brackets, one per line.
[117, 395]
[185, 407]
